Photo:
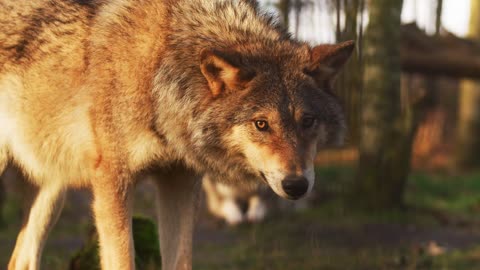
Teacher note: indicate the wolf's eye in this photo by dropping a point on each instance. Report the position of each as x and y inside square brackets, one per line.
[308, 122]
[261, 125]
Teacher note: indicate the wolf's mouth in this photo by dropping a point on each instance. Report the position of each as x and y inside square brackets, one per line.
[264, 177]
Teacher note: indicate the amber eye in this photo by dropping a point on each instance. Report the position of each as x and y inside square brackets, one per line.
[261, 125]
[308, 122]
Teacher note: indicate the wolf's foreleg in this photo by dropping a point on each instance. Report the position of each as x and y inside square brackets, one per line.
[176, 202]
[214, 201]
[112, 210]
[46, 206]
[257, 209]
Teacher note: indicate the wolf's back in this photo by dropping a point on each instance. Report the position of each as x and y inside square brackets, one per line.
[30, 30]
[224, 22]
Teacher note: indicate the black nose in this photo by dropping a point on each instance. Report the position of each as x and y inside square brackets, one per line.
[295, 186]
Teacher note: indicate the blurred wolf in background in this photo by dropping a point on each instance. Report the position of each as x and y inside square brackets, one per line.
[99, 94]
[237, 203]
[234, 203]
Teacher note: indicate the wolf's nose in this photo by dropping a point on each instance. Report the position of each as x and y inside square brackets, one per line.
[295, 186]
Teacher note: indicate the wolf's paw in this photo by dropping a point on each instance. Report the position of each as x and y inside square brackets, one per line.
[232, 213]
[257, 210]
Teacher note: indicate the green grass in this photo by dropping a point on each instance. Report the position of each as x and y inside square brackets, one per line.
[317, 238]
[457, 195]
[460, 260]
[452, 194]
[331, 235]
[302, 240]
[296, 241]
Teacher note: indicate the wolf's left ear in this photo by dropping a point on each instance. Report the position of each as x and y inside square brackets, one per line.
[327, 60]
[223, 71]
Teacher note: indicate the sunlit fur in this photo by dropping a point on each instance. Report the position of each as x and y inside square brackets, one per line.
[100, 93]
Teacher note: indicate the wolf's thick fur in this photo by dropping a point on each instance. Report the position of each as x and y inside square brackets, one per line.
[100, 93]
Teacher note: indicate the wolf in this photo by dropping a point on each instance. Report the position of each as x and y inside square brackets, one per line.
[234, 203]
[100, 94]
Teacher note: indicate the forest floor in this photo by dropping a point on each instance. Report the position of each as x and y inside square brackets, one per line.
[438, 229]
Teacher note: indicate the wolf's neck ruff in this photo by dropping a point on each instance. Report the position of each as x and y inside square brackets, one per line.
[219, 25]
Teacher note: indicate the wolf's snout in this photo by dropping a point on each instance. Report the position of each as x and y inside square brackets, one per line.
[295, 186]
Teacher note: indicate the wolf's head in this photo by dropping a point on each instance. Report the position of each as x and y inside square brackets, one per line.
[274, 109]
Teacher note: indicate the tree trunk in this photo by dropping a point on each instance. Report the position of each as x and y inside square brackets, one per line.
[445, 55]
[349, 83]
[338, 30]
[284, 7]
[385, 135]
[468, 137]
[438, 16]
[297, 8]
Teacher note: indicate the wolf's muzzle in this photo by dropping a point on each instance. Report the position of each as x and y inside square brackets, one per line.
[295, 186]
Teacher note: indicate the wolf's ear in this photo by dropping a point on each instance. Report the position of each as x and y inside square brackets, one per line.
[327, 60]
[224, 71]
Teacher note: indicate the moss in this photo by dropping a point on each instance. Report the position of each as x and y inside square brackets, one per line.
[147, 251]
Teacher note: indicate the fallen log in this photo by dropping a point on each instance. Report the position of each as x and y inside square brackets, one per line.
[445, 54]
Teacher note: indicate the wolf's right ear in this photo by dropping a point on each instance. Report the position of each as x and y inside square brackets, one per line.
[327, 60]
[223, 71]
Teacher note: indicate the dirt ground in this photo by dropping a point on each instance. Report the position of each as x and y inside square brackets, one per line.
[320, 237]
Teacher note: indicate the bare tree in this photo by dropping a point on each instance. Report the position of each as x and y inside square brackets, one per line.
[349, 84]
[385, 131]
[338, 10]
[284, 7]
[438, 16]
[468, 137]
